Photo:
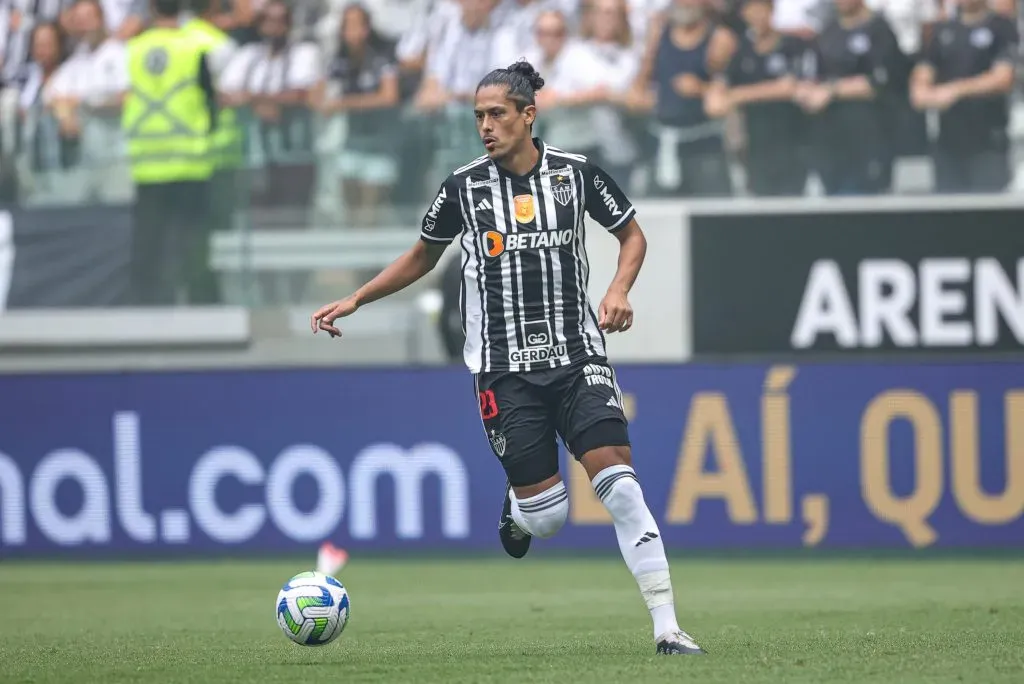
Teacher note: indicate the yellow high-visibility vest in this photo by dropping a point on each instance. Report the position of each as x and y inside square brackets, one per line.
[227, 138]
[166, 117]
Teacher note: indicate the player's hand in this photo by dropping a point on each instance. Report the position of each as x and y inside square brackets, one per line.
[325, 316]
[615, 314]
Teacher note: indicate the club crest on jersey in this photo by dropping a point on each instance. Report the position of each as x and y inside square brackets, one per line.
[561, 190]
[524, 208]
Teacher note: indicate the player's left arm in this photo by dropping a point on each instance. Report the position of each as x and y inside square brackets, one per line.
[609, 206]
[615, 313]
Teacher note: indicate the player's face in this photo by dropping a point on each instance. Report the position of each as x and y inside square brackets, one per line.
[502, 127]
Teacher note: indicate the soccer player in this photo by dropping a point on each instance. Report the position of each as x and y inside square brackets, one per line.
[533, 343]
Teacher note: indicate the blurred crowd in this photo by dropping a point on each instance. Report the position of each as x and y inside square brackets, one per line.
[367, 102]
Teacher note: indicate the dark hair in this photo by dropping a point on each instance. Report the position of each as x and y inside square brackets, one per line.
[167, 8]
[521, 79]
[58, 32]
[262, 14]
[374, 40]
[200, 6]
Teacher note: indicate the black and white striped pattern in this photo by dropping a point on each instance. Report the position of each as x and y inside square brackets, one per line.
[604, 487]
[547, 500]
[15, 43]
[525, 270]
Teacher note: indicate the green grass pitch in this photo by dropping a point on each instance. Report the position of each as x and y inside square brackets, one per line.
[538, 620]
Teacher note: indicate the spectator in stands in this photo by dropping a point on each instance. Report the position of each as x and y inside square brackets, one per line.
[392, 19]
[426, 32]
[848, 91]
[94, 81]
[571, 85]
[607, 33]
[801, 18]
[211, 12]
[237, 18]
[645, 16]
[270, 82]
[50, 133]
[18, 18]
[362, 83]
[913, 22]
[967, 75]
[455, 65]
[124, 18]
[515, 37]
[675, 74]
[760, 82]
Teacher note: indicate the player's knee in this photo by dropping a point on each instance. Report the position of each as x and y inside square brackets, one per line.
[546, 523]
[545, 513]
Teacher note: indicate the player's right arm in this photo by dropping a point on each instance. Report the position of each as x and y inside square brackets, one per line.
[440, 225]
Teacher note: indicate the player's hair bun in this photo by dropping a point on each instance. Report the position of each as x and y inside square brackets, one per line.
[526, 70]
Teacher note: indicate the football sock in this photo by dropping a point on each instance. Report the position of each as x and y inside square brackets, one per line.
[639, 541]
[541, 515]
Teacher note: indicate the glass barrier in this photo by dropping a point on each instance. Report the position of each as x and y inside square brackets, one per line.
[320, 204]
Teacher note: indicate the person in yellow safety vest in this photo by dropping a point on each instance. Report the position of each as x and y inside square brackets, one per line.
[220, 48]
[169, 115]
[226, 142]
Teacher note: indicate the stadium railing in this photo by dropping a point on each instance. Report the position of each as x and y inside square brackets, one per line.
[294, 244]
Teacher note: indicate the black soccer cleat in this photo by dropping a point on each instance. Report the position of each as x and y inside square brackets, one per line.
[515, 541]
[678, 643]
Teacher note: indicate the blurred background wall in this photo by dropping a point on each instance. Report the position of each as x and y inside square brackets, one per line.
[827, 349]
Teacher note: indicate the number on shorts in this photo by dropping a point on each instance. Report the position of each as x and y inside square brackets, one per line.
[488, 405]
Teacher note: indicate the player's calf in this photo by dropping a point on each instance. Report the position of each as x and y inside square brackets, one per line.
[639, 539]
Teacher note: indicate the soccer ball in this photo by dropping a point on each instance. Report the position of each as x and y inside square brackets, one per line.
[312, 609]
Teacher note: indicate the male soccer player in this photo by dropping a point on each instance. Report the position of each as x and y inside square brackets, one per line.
[533, 343]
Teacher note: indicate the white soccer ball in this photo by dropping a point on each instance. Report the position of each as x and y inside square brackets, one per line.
[312, 609]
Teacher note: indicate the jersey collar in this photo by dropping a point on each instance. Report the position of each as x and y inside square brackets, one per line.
[542, 148]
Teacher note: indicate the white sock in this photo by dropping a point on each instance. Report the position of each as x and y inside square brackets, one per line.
[541, 515]
[639, 541]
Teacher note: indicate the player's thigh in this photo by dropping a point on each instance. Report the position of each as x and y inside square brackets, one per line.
[589, 412]
[519, 428]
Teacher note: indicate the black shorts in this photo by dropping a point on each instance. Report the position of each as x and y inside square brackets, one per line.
[525, 413]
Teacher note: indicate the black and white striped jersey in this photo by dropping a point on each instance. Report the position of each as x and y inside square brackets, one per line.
[524, 266]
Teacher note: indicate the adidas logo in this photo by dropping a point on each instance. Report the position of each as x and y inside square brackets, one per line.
[648, 536]
[483, 205]
[613, 402]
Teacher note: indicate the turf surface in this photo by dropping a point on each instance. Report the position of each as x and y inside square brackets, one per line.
[496, 620]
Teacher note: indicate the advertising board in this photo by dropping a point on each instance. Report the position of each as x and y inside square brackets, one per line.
[846, 456]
